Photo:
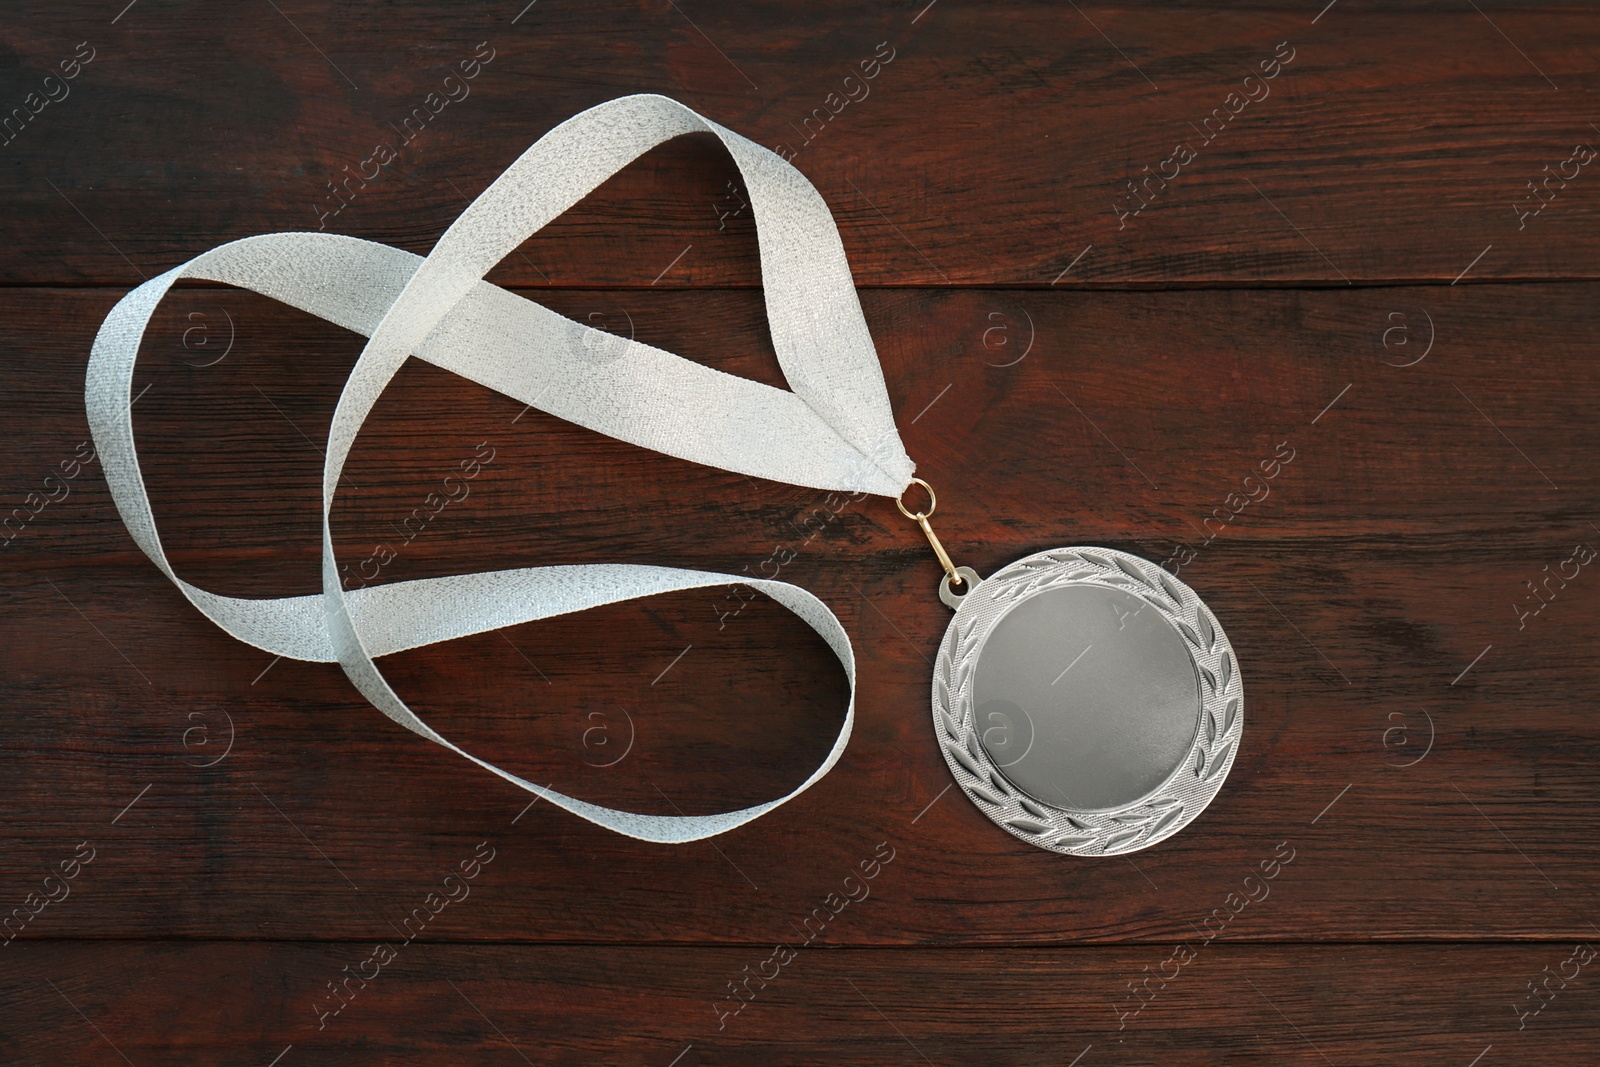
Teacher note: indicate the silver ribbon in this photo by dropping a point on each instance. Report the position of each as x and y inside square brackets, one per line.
[834, 430]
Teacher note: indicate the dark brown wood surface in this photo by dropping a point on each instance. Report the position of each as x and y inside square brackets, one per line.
[1344, 272]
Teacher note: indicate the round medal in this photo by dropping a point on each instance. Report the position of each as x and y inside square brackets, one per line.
[1086, 701]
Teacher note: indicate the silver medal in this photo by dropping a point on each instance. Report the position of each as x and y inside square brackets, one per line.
[1085, 700]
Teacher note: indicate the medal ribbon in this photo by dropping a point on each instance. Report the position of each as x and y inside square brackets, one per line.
[833, 429]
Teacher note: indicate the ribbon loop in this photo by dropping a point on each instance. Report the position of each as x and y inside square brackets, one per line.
[835, 430]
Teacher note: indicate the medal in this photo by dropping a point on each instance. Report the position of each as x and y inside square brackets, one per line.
[1119, 749]
[1086, 700]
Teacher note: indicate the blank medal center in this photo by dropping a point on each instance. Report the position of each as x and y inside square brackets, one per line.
[1087, 697]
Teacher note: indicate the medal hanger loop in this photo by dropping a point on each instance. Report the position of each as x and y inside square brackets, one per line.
[963, 578]
[832, 429]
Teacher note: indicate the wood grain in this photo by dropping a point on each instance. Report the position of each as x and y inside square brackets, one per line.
[1396, 539]
[166, 1002]
[1130, 417]
[991, 149]
[1349, 273]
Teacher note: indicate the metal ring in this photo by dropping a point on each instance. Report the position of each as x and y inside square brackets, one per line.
[933, 502]
[969, 582]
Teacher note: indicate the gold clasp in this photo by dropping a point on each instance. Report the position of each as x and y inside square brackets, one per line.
[955, 578]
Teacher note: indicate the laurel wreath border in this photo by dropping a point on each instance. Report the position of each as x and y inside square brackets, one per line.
[1160, 814]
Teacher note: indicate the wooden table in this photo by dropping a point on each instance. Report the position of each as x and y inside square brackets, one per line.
[1114, 256]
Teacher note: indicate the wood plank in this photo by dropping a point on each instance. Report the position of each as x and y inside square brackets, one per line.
[319, 794]
[1397, 540]
[207, 1003]
[1131, 417]
[992, 145]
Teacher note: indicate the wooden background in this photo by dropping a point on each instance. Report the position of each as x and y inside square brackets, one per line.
[1344, 268]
